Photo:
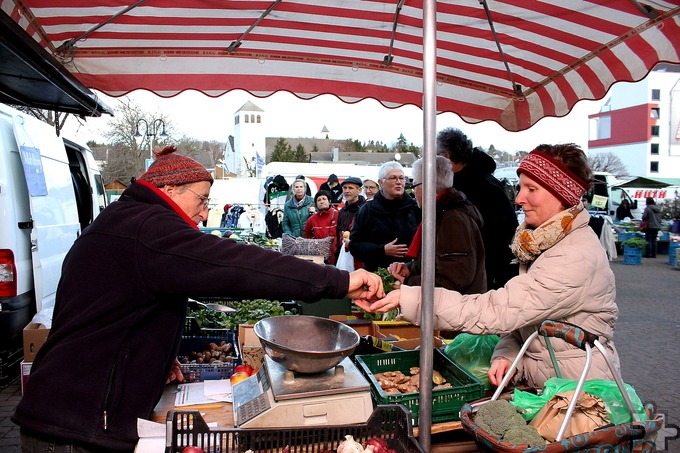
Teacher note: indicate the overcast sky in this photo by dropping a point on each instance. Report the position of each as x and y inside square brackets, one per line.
[205, 118]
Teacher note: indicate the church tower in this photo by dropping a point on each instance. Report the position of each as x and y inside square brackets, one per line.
[248, 157]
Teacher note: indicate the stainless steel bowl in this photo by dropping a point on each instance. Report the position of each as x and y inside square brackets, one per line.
[306, 344]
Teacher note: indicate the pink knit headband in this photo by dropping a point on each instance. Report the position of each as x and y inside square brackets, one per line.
[554, 176]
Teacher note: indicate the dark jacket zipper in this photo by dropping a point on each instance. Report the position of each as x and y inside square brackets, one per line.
[107, 395]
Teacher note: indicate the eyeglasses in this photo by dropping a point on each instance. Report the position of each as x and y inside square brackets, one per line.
[416, 185]
[396, 178]
[203, 198]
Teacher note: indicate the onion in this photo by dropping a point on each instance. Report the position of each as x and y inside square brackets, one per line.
[379, 445]
[349, 445]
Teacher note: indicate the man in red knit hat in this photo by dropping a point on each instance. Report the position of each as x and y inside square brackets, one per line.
[121, 307]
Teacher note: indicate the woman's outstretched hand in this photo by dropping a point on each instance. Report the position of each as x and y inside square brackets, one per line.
[389, 302]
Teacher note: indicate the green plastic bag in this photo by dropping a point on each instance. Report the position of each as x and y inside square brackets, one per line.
[608, 391]
[473, 352]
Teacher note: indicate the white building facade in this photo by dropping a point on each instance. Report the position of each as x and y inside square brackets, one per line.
[640, 123]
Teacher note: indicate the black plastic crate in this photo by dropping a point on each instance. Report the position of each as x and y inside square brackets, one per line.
[197, 372]
[193, 329]
[390, 422]
[10, 363]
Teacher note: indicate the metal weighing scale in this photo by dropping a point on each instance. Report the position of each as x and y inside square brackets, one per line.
[278, 398]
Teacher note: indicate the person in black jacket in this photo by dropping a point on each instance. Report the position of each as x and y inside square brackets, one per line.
[384, 228]
[473, 175]
[333, 186]
[351, 188]
[121, 307]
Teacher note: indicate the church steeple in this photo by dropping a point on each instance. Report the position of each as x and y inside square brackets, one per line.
[249, 139]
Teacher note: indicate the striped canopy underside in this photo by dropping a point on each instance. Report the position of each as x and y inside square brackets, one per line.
[557, 52]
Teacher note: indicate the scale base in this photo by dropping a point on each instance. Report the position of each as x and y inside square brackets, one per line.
[277, 398]
[345, 409]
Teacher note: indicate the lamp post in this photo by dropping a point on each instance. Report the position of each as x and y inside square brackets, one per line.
[151, 130]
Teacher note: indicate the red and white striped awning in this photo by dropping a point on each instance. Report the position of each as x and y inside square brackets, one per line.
[509, 61]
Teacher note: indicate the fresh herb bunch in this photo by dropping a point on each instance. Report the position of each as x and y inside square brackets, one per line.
[387, 279]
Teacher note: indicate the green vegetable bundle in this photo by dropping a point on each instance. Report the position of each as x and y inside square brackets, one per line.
[246, 312]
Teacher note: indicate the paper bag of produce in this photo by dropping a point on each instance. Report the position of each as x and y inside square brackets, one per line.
[588, 415]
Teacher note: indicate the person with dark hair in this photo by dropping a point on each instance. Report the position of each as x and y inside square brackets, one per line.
[332, 185]
[652, 215]
[324, 222]
[459, 248]
[122, 301]
[473, 175]
[564, 276]
[623, 211]
[351, 189]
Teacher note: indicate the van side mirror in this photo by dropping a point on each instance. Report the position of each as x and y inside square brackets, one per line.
[634, 205]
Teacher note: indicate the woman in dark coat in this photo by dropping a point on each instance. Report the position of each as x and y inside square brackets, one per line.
[459, 247]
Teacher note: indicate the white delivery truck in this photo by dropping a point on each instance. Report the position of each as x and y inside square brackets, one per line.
[606, 195]
[50, 189]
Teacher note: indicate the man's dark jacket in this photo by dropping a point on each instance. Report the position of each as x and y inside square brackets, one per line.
[459, 257]
[478, 183]
[381, 221]
[346, 219]
[120, 310]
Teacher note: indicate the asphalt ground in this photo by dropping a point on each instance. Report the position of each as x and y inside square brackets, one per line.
[647, 338]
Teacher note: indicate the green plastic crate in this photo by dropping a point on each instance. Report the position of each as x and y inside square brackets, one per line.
[446, 403]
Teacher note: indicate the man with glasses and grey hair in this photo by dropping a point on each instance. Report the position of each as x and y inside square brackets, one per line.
[122, 302]
[384, 228]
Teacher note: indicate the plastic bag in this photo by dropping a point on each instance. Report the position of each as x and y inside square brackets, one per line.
[608, 391]
[473, 352]
[345, 260]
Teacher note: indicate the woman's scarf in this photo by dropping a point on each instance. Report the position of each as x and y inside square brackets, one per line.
[529, 243]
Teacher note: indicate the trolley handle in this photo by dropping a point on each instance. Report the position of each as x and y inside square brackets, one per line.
[570, 333]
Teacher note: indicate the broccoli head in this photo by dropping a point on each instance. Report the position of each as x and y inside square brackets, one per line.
[524, 435]
[497, 416]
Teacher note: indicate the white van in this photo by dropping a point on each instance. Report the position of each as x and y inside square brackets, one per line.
[50, 190]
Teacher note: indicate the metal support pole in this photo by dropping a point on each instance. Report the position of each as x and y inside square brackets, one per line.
[429, 218]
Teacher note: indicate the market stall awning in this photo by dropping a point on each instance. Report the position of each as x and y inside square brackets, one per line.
[644, 182]
[512, 61]
[30, 76]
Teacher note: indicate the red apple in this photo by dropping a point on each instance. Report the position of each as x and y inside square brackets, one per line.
[192, 449]
[244, 369]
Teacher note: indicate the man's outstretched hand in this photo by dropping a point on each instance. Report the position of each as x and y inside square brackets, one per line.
[365, 287]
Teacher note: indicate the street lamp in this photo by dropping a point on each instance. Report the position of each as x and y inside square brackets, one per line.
[150, 131]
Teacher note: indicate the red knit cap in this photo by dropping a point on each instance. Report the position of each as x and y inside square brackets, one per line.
[554, 176]
[174, 169]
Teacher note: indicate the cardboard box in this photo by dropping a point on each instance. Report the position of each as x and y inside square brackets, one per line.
[318, 259]
[253, 356]
[414, 343]
[34, 337]
[362, 326]
[400, 330]
[250, 347]
[25, 371]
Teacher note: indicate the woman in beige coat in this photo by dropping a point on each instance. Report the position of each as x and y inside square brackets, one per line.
[565, 276]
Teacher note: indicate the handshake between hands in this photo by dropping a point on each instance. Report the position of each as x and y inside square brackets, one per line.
[366, 290]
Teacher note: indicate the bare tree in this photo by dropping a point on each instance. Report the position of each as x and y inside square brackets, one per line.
[51, 117]
[127, 151]
[608, 162]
